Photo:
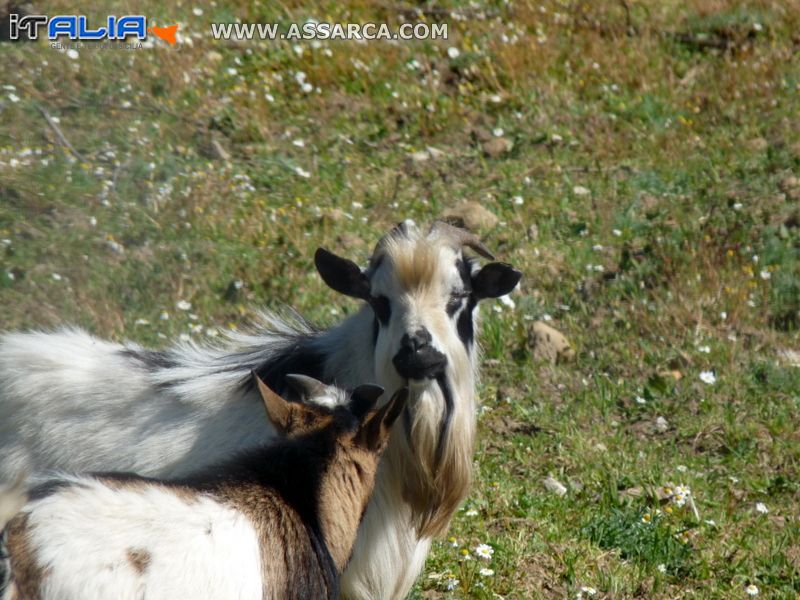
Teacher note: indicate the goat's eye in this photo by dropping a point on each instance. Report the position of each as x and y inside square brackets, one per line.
[382, 308]
[455, 301]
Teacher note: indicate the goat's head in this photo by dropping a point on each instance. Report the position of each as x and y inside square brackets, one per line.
[354, 419]
[423, 291]
[346, 441]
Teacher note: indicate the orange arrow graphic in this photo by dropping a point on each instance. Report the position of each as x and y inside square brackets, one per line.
[165, 33]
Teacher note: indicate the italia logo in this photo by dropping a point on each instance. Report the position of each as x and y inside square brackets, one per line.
[76, 27]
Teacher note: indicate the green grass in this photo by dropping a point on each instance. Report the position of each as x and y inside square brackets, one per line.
[683, 257]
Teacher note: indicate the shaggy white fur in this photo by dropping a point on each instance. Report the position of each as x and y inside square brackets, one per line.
[90, 536]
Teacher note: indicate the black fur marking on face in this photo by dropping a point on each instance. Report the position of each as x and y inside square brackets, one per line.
[455, 302]
[381, 307]
[465, 325]
[464, 266]
[407, 426]
[447, 417]
[376, 329]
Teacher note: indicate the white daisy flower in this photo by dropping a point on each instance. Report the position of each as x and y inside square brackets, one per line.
[484, 551]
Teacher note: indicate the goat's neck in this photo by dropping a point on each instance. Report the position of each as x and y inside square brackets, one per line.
[344, 493]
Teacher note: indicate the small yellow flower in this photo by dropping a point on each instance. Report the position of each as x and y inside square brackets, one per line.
[646, 518]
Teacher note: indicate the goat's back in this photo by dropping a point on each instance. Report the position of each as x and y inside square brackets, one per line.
[72, 402]
[128, 540]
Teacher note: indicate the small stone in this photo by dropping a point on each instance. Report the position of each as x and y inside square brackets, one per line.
[435, 153]
[555, 486]
[580, 190]
[430, 153]
[497, 147]
[473, 215]
[218, 152]
[549, 344]
[632, 492]
[661, 425]
[210, 146]
[482, 134]
[791, 357]
[420, 156]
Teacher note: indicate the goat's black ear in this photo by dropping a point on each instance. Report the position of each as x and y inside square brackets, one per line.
[378, 423]
[397, 404]
[341, 274]
[363, 398]
[494, 280]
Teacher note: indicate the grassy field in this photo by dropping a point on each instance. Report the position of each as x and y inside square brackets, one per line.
[642, 163]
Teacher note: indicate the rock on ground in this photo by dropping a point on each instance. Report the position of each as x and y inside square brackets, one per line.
[473, 215]
[549, 344]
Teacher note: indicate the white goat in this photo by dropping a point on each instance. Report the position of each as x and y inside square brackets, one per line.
[166, 413]
[240, 530]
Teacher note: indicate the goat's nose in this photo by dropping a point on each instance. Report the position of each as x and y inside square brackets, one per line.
[418, 340]
[417, 358]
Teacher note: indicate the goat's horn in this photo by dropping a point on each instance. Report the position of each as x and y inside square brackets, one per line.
[462, 237]
[306, 386]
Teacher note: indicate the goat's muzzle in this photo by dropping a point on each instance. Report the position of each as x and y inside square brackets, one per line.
[417, 358]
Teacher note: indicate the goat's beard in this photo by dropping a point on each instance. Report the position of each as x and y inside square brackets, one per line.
[430, 450]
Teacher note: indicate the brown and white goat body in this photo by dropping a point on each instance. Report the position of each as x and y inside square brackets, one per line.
[277, 522]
